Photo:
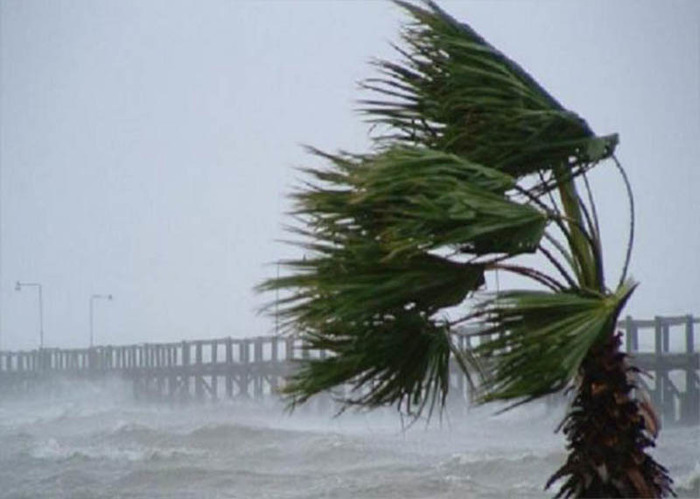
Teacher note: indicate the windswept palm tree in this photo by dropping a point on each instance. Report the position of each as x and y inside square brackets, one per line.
[474, 165]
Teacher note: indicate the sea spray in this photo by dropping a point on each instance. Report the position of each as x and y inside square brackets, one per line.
[96, 442]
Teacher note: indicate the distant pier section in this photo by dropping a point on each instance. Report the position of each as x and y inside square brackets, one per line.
[665, 348]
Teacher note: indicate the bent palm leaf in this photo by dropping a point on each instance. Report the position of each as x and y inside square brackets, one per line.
[457, 93]
[540, 339]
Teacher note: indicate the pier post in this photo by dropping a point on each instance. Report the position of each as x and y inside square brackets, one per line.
[259, 376]
[274, 378]
[185, 381]
[172, 370]
[244, 377]
[159, 372]
[229, 367]
[214, 370]
[690, 406]
[198, 385]
[664, 390]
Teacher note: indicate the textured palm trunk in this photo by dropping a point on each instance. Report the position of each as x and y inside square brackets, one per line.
[608, 428]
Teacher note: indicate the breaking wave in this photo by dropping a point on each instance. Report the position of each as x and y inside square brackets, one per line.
[107, 446]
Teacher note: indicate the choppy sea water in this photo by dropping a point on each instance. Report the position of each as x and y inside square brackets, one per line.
[97, 443]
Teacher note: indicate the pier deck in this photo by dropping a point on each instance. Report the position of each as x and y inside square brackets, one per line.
[665, 348]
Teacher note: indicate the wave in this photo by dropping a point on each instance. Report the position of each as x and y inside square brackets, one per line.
[689, 485]
[126, 431]
[201, 450]
[238, 431]
[54, 450]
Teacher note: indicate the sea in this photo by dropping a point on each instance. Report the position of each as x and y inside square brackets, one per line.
[95, 441]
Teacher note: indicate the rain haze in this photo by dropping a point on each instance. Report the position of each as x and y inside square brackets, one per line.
[147, 151]
[147, 148]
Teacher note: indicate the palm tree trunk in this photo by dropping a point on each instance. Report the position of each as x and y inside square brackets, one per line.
[608, 429]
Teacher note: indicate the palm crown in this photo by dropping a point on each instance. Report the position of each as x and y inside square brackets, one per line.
[474, 164]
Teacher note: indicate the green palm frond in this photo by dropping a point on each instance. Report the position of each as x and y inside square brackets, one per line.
[356, 281]
[400, 359]
[416, 199]
[455, 92]
[535, 341]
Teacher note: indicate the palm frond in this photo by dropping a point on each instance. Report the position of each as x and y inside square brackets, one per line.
[535, 341]
[401, 360]
[355, 281]
[455, 92]
[416, 199]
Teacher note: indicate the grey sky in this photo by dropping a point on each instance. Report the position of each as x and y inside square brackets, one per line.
[146, 146]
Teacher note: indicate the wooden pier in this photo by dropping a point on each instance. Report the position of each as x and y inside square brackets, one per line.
[664, 347]
[672, 366]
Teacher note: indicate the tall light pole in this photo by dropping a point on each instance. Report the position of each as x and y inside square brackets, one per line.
[18, 287]
[92, 300]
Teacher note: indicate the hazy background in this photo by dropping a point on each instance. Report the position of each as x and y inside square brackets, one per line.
[146, 146]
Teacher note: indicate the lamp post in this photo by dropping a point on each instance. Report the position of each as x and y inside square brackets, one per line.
[18, 287]
[92, 301]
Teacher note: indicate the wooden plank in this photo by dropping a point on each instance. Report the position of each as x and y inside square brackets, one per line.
[690, 406]
[214, 377]
[669, 361]
[274, 345]
[185, 381]
[229, 363]
[198, 381]
[244, 376]
[670, 320]
[289, 348]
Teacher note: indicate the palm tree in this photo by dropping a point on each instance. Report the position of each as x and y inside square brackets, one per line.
[473, 166]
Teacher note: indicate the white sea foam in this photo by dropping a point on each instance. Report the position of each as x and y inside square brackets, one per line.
[53, 450]
[92, 444]
[690, 482]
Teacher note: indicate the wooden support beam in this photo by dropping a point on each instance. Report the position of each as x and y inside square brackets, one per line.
[690, 406]
[198, 379]
[229, 368]
[214, 375]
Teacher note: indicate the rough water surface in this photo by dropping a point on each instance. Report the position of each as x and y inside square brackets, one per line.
[98, 443]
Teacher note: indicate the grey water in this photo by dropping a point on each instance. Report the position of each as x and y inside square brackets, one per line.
[96, 442]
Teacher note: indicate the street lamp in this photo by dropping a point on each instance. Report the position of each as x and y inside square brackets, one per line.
[92, 300]
[18, 287]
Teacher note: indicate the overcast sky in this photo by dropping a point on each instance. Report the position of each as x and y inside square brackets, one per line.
[146, 147]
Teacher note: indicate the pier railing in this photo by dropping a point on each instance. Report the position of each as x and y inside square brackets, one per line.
[666, 348]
